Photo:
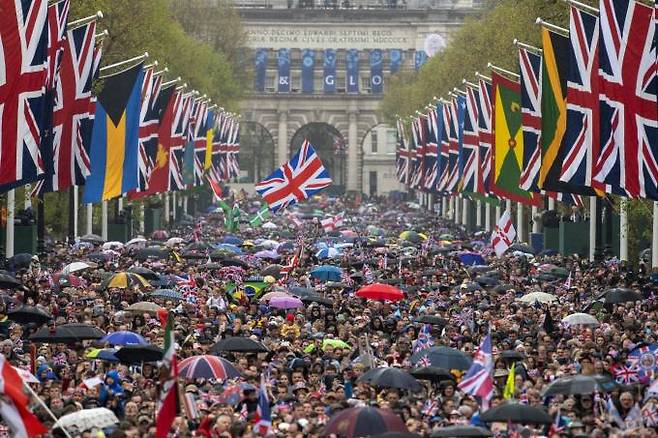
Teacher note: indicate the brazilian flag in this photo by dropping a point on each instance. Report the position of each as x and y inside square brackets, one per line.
[115, 137]
[508, 142]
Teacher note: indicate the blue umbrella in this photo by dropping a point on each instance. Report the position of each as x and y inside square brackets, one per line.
[328, 253]
[471, 259]
[232, 240]
[123, 338]
[229, 247]
[327, 273]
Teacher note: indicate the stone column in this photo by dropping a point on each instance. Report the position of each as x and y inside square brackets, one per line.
[282, 150]
[352, 153]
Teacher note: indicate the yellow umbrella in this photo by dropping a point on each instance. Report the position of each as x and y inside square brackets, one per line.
[124, 280]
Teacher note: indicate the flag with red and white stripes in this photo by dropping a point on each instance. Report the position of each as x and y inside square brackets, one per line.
[504, 234]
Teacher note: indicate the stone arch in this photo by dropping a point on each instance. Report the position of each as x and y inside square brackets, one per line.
[331, 147]
[257, 151]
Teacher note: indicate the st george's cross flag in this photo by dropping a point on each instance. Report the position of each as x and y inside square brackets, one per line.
[296, 180]
[14, 404]
[504, 234]
[332, 222]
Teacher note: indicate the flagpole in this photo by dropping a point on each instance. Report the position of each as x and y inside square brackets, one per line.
[456, 210]
[82, 21]
[487, 216]
[519, 221]
[127, 61]
[623, 229]
[185, 204]
[9, 231]
[173, 206]
[142, 212]
[534, 211]
[104, 220]
[478, 214]
[464, 211]
[76, 203]
[43, 405]
[551, 203]
[508, 206]
[498, 212]
[654, 237]
[90, 218]
[166, 207]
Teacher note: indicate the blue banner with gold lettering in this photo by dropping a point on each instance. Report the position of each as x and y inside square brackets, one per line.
[308, 68]
[260, 67]
[395, 56]
[352, 71]
[283, 61]
[376, 71]
[329, 71]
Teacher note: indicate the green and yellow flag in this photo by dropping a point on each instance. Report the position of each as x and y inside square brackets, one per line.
[260, 217]
[508, 142]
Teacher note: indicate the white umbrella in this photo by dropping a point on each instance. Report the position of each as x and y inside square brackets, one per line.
[270, 226]
[112, 245]
[268, 244]
[137, 241]
[78, 266]
[174, 241]
[542, 297]
[87, 419]
[580, 319]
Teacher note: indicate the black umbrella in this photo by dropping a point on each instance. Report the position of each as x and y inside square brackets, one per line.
[516, 413]
[580, 385]
[433, 320]
[93, 238]
[433, 374]
[9, 282]
[199, 246]
[145, 272]
[522, 247]
[22, 260]
[315, 298]
[461, 431]
[133, 354]
[486, 281]
[67, 333]
[27, 314]
[444, 357]
[233, 262]
[302, 291]
[502, 288]
[273, 270]
[511, 355]
[620, 295]
[152, 253]
[239, 344]
[396, 435]
[191, 255]
[391, 377]
[545, 276]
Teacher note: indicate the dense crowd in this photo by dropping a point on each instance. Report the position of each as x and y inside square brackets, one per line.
[216, 285]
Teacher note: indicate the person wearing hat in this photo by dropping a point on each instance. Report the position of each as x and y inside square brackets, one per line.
[290, 329]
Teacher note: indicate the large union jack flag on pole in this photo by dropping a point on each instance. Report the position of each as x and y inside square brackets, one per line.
[402, 155]
[531, 115]
[628, 100]
[23, 75]
[469, 153]
[485, 133]
[296, 180]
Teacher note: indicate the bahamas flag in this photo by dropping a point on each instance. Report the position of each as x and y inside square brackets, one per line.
[508, 142]
[115, 136]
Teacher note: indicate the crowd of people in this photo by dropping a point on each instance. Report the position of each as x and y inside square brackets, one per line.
[217, 283]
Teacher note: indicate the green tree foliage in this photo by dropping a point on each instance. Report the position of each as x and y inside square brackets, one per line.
[136, 26]
[487, 38]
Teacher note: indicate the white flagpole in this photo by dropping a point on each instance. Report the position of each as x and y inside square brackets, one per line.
[185, 204]
[487, 216]
[508, 206]
[173, 206]
[592, 226]
[444, 207]
[166, 207]
[142, 211]
[519, 222]
[120, 204]
[90, 218]
[456, 217]
[623, 230]
[76, 201]
[104, 220]
[551, 203]
[11, 213]
[534, 211]
[654, 237]
[464, 211]
[478, 213]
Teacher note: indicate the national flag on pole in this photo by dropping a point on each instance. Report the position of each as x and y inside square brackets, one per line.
[628, 105]
[504, 234]
[478, 380]
[457, 110]
[507, 160]
[296, 180]
[443, 127]
[469, 152]
[531, 65]
[430, 160]
[168, 406]
[149, 118]
[23, 77]
[178, 141]
[260, 217]
[14, 404]
[418, 144]
[485, 133]
[402, 155]
[333, 222]
[263, 417]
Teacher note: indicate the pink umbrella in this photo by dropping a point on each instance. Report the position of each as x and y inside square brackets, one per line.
[268, 254]
[286, 302]
[207, 367]
[271, 295]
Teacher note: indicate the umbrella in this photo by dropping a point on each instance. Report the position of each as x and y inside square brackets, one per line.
[106, 354]
[124, 280]
[486, 281]
[580, 385]
[316, 298]
[302, 291]
[444, 357]
[364, 421]
[461, 431]
[275, 294]
[78, 266]
[583, 319]
[87, 419]
[67, 333]
[268, 254]
[93, 238]
[511, 355]
[288, 302]
[145, 272]
[112, 245]
[160, 235]
[207, 367]
[620, 295]
[173, 241]
[379, 291]
[169, 294]
[239, 344]
[522, 247]
[431, 319]
[233, 240]
[433, 374]
[396, 435]
[123, 338]
[232, 262]
[135, 354]
[273, 270]
[391, 377]
[199, 246]
[152, 253]
[327, 273]
[137, 241]
[335, 343]
[411, 236]
[9, 282]
[479, 268]
[541, 297]
[269, 226]
[144, 307]
[64, 280]
[27, 314]
[471, 259]
[516, 413]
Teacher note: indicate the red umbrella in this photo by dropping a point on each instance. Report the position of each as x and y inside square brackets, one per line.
[379, 291]
[357, 422]
[207, 367]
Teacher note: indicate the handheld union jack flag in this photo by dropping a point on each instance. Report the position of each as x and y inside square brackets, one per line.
[298, 179]
[263, 417]
[478, 380]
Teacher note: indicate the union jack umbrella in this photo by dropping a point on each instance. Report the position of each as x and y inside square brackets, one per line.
[628, 97]
[298, 179]
[207, 367]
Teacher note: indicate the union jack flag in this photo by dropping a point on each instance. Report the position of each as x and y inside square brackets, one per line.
[628, 98]
[417, 170]
[531, 65]
[232, 150]
[582, 134]
[148, 127]
[424, 362]
[478, 380]
[182, 115]
[23, 78]
[457, 110]
[430, 160]
[73, 111]
[469, 152]
[625, 374]
[402, 155]
[263, 417]
[296, 180]
[485, 133]
[424, 339]
[443, 111]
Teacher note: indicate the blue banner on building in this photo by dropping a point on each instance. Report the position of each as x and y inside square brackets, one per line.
[308, 68]
[329, 73]
[376, 71]
[395, 56]
[352, 71]
[420, 58]
[283, 61]
[260, 65]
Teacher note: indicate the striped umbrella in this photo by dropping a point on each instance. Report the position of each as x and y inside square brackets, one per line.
[124, 280]
[207, 367]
